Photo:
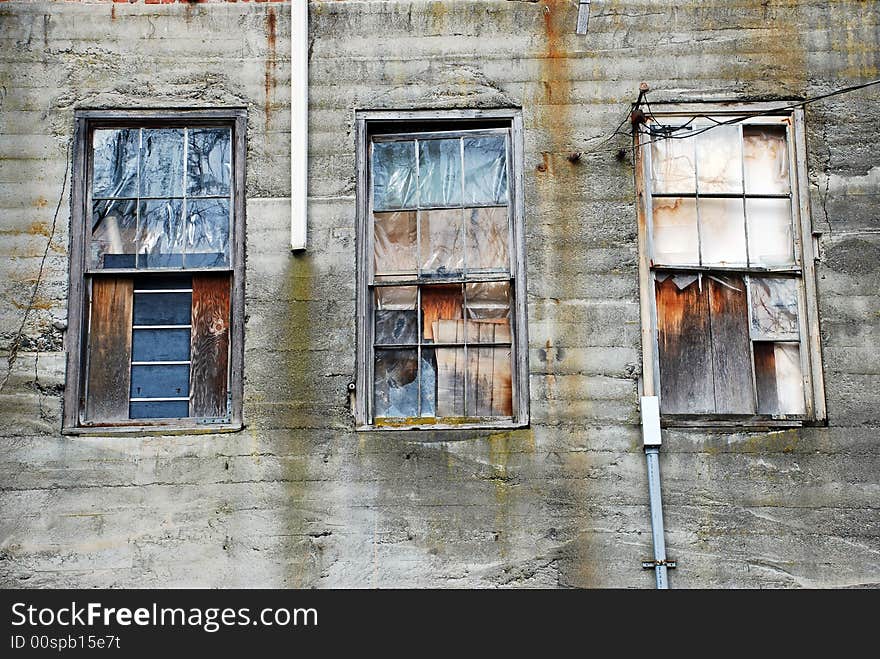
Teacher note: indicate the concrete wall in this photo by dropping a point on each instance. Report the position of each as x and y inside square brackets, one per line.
[298, 498]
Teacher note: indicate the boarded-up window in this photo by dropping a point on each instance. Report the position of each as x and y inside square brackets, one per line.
[160, 266]
[441, 281]
[725, 264]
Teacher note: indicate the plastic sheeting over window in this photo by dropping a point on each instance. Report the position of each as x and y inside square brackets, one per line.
[161, 198]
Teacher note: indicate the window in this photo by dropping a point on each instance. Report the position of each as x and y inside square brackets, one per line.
[441, 297]
[156, 280]
[728, 291]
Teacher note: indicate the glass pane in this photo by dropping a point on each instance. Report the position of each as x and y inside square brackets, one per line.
[451, 375]
[429, 382]
[774, 308]
[114, 224]
[719, 160]
[161, 236]
[395, 384]
[159, 380]
[770, 237]
[489, 391]
[394, 173]
[160, 345]
[162, 308]
[207, 233]
[485, 170]
[442, 314]
[675, 231]
[439, 173]
[488, 312]
[487, 239]
[442, 242]
[396, 315]
[765, 156]
[115, 162]
[779, 379]
[722, 231]
[166, 409]
[672, 165]
[162, 162]
[395, 243]
[208, 161]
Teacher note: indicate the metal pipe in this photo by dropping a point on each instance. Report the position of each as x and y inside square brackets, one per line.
[651, 438]
[299, 122]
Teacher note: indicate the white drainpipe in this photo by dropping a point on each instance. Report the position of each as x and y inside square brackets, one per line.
[651, 439]
[299, 122]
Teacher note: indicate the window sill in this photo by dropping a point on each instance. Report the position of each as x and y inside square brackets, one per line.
[741, 423]
[150, 431]
[466, 425]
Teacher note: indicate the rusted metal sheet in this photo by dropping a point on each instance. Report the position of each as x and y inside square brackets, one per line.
[109, 376]
[210, 345]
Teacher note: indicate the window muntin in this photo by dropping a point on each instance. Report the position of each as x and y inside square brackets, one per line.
[160, 220]
[441, 278]
[725, 257]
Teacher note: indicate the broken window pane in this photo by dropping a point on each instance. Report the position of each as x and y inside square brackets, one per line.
[451, 375]
[209, 161]
[672, 165]
[114, 224]
[161, 236]
[779, 378]
[722, 231]
[765, 154]
[395, 243]
[442, 242]
[207, 233]
[774, 308]
[115, 162]
[396, 315]
[396, 384]
[439, 173]
[770, 237]
[719, 160]
[442, 305]
[161, 171]
[488, 312]
[487, 239]
[675, 231]
[428, 378]
[394, 173]
[485, 170]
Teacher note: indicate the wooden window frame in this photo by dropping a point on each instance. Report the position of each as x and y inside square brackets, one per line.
[74, 396]
[450, 121]
[805, 248]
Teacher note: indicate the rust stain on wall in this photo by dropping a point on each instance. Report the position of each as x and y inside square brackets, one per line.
[270, 81]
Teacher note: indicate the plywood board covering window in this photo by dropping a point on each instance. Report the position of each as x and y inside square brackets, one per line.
[441, 281]
[158, 221]
[726, 263]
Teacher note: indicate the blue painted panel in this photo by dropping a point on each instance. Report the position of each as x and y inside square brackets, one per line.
[169, 409]
[160, 345]
[162, 308]
[159, 381]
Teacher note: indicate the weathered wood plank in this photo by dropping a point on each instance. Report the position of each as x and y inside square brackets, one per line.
[109, 376]
[765, 378]
[686, 382]
[731, 358]
[209, 375]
